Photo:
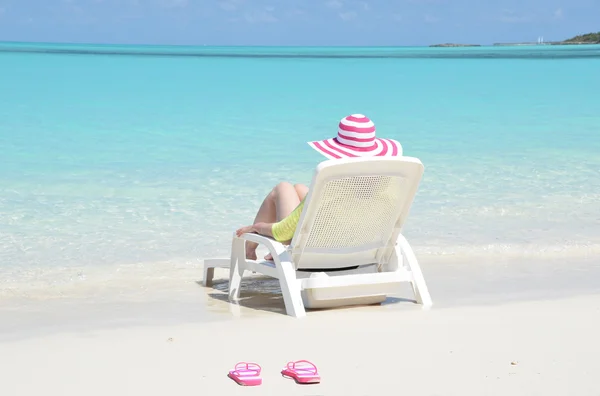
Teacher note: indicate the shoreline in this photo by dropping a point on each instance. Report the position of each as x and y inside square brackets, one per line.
[170, 298]
[137, 279]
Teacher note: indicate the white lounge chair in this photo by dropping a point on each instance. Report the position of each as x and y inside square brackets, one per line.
[348, 248]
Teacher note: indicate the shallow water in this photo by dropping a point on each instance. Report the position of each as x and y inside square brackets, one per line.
[115, 164]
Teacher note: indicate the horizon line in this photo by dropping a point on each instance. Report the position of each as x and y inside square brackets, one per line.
[227, 45]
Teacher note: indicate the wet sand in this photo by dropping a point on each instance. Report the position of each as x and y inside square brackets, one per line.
[453, 282]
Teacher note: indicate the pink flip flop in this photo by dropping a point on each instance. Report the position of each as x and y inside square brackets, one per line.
[302, 371]
[246, 374]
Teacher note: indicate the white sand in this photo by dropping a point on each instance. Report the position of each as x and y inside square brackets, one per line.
[529, 348]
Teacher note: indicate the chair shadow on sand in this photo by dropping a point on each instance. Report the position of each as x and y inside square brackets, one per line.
[264, 294]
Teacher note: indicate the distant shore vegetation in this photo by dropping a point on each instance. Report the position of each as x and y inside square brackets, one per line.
[588, 38]
[592, 38]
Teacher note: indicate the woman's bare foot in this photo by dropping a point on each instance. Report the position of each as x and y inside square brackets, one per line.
[250, 253]
[269, 256]
[250, 246]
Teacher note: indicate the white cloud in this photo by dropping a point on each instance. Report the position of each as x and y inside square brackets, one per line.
[348, 15]
[431, 18]
[558, 13]
[294, 12]
[230, 5]
[365, 6]
[334, 4]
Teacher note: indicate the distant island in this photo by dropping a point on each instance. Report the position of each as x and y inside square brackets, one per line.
[582, 39]
[589, 38]
[455, 45]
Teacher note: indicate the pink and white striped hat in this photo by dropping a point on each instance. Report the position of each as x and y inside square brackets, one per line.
[356, 138]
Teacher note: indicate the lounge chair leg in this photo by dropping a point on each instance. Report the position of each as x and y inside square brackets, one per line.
[209, 268]
[236, 273]
[418, 283]
[290, 288]
[209, 274]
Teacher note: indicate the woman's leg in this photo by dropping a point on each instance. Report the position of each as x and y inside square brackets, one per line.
[278, 204]
[301, 190]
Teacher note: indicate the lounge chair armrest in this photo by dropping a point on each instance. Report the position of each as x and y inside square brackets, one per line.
[274, 247]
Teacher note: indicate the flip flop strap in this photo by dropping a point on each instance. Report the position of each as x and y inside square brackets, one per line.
[312, 369]
[243, 366]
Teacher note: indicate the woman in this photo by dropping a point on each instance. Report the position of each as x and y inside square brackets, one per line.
[280, 211]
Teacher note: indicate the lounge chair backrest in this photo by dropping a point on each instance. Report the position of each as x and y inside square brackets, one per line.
[354, 211]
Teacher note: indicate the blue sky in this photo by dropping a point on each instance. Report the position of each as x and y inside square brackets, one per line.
[295, 22]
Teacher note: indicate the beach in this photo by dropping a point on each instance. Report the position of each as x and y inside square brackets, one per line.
[541, 347]
[133, 164]
[498, 330]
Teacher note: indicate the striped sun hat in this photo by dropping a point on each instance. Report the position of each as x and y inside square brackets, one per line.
[356, 138]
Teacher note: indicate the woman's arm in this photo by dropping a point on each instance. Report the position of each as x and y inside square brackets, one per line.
[265, 229]
[282, 231]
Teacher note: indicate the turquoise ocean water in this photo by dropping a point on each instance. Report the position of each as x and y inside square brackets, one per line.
[137, 162]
